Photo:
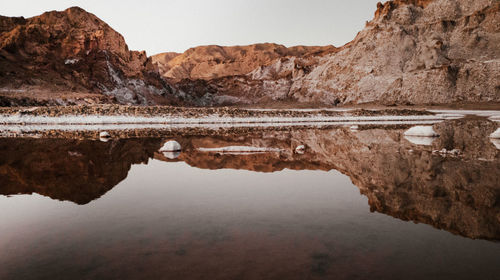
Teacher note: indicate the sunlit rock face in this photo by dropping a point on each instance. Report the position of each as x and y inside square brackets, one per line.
[455, 191]
[74, 170]
[73, 55]
[412, 52]
[212, 62]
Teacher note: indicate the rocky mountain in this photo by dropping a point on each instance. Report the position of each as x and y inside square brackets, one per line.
[70, 57]
[412, 52]
[212, 62]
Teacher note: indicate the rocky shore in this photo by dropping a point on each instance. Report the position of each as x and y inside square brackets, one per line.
[194, 112]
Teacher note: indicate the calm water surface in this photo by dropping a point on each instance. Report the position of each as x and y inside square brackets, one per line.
[366, 204]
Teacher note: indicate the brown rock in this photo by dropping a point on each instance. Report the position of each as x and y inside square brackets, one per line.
[412, 52]
[73, 50]
[212, 62]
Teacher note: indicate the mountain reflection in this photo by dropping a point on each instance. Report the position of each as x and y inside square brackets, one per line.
[456, 191]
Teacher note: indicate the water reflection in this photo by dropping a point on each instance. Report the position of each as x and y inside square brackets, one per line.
[406, 180]
[230, 214]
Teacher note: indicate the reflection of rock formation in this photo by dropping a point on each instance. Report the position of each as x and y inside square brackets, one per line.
[458, 193]
[79, 171]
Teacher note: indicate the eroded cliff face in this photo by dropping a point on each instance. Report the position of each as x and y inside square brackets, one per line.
[416, 52]
[412, 52]
[456, 191]
[213, 62]
[74, 55]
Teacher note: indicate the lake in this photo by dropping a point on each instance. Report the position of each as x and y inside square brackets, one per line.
[364, 202]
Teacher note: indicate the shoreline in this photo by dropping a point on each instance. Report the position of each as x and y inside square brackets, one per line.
[43, 121]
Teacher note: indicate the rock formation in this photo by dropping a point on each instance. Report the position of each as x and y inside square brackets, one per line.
[73, 55]
[212, 62]
[412, 52]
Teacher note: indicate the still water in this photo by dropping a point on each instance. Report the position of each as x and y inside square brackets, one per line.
[362, 204]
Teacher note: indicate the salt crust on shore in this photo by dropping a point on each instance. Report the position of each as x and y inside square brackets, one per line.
[96, 119]
[417, 140]
[242, 149]
[421, 131]
[496, 134]
[30, 128]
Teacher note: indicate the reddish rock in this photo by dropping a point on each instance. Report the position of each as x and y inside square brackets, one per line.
[74, 51]
[212, 62]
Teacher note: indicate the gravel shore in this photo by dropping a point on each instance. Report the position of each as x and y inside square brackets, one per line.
[186, 112]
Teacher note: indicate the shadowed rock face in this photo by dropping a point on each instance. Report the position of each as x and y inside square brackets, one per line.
[458, 192]
[72, 52]
[412, 52]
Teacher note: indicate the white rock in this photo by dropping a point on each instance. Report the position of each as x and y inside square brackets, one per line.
[418, 140]
[496, 142]
[301, 149]
[172, 155]
[496, 134]
[240, 149]
[104, 134]
[171, 146]
[354, 127]
[421, 131]
[71, 61]
[445, 152]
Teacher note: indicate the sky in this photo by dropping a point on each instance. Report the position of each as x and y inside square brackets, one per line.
[176, 25]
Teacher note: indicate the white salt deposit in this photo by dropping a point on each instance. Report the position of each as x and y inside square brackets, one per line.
[418, 140]
[71, 61]
[421, 131]
[301, 149]
[97, 119]
[240, 149]
[496, 134]
[495, 142]
[104, 134]
[172, 155]
[445, 152]
[171, 146]
[481, 113]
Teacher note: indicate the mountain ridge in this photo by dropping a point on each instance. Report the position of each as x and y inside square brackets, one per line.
[413, 52]
[74, 51]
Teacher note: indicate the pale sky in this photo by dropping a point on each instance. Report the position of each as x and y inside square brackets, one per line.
[176, 25]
